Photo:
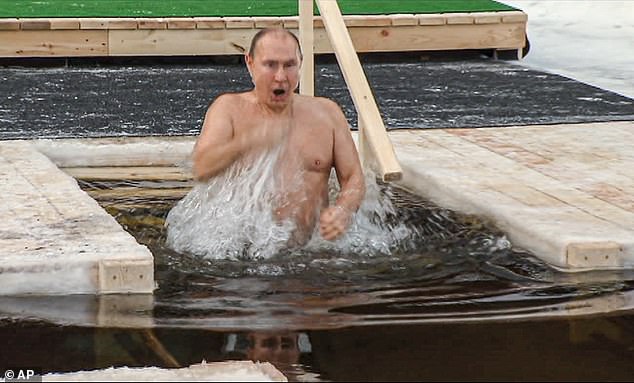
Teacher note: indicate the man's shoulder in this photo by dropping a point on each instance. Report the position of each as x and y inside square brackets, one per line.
[229, 102]
[321, 103]
[230, 96]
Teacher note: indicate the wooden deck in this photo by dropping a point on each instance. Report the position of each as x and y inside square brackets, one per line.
[563, 192]
[57, 240]
[193, 36]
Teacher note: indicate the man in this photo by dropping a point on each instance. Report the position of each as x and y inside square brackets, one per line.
[312, 132]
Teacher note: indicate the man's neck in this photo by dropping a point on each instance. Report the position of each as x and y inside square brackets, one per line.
[280, 110]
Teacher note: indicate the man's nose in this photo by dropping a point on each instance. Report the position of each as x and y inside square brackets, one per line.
[280, 73]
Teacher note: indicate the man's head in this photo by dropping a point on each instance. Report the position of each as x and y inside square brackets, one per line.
[273, 61]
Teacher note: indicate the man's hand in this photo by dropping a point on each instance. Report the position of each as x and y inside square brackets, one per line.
[333, 222]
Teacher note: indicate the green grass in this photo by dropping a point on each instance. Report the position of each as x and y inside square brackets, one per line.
[166, 8]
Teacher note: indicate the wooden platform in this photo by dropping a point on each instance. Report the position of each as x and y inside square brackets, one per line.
[54, 239]
[563, 192]
[76, 37]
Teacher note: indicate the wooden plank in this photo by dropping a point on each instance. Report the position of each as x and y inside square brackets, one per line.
[9, 24]
[126, 276]
[367, 21]
[486, 18]
[180, 42]
[123, 23]
[181, 23]
[459, 18]
[94, 23]
[399, 20]
[168, 173]
[148, 23]
[290, 22]
[65, 23]
[421, 38]
[374, 129]
[120, 151]
[513, 16]
[209, 22]
[134, 192]
[318, 22]
[239, 22]
[268, 22]
[306, 40]
[432, 19]
[35, 24]
[53, 43]
[594, 255]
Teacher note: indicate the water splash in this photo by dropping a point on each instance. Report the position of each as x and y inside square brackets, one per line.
[232, 217]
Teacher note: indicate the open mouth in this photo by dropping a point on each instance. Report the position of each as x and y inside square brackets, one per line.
[278, 92]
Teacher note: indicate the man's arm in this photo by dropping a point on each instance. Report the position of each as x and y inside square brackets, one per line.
[216, 147]
[335, 220]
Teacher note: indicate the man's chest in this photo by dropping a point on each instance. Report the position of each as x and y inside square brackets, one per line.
[311, 146]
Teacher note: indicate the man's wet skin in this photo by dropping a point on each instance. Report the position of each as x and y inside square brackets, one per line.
[312, 132]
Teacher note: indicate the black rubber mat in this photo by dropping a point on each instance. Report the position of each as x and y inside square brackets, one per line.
[158, 99]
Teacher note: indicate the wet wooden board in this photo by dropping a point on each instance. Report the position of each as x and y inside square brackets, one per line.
[564, 192]
[163, 173]
[55, 239]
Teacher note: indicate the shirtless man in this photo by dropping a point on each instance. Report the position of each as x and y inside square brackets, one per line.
[313, 132]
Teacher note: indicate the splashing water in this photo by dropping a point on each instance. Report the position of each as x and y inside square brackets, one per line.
[232, 217]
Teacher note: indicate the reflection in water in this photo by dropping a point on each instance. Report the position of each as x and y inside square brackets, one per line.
[283, 349]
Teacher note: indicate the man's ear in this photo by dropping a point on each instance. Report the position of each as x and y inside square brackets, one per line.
[249, 61]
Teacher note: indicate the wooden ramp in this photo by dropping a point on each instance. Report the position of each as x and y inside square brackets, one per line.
[55, 239]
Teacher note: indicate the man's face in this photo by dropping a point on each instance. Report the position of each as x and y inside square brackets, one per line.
[275, 348]
[275, 69]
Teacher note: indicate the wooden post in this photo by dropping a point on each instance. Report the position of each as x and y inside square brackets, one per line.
[374, 133]
[306, 40]
[365, 153]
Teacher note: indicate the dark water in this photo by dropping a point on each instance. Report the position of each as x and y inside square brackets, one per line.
[459, 305]
[96, 101]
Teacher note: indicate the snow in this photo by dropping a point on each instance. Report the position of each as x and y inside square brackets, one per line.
[591, 41]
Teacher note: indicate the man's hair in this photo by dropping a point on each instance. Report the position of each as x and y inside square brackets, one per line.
[263, 32]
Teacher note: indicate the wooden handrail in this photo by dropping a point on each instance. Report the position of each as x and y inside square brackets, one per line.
[306, 41]
[373, 138]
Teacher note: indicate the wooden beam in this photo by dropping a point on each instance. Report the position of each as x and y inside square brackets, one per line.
[181, 23]
[403, 19]
[145, 173]
[306, 41]
[9, 24]
[179, 42]
[47, 43]
[209, 22]
[35, 24]
[268, 22]
[65, 23]
[429, 37]
[367, 109]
